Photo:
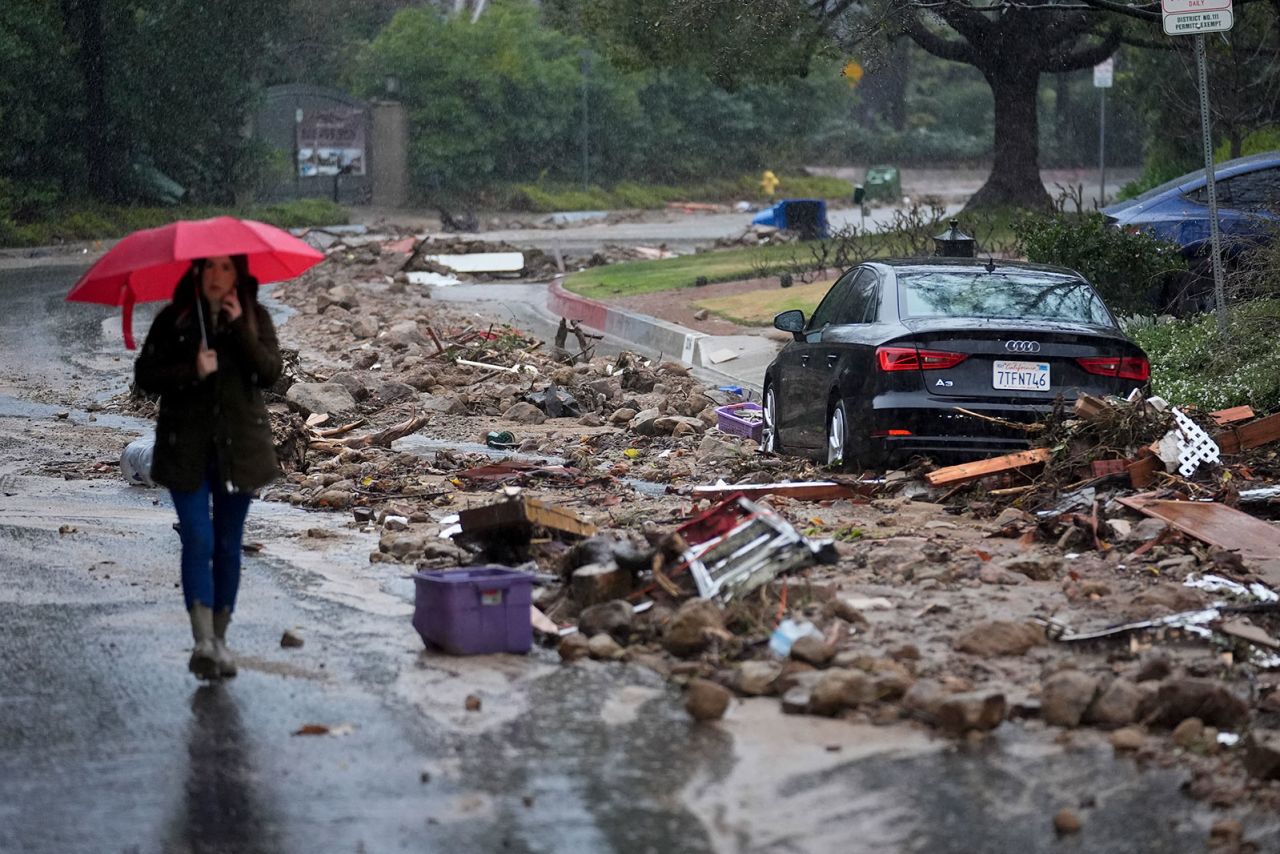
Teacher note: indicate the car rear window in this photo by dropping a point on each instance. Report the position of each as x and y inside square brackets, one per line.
[983, 294]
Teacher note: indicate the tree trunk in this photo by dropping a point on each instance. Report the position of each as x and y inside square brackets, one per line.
[1015, 169]
[95, 128]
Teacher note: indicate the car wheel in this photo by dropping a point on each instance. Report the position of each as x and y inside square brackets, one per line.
[769, 439]
[839, 446]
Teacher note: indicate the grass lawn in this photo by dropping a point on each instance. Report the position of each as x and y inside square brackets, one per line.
[757, 308]
[644, 277]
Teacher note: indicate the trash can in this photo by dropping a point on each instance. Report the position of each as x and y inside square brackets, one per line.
[883, 183]
[806, 216]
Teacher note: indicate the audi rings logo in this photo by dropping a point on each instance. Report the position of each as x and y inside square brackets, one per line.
[1022, 346]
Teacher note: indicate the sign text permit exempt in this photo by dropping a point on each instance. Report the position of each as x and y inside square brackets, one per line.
[1191, 23]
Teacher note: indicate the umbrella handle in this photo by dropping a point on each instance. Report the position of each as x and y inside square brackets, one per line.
[126, 319]
[204, 339]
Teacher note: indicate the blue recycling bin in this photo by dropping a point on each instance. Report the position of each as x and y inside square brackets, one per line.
[807, 216]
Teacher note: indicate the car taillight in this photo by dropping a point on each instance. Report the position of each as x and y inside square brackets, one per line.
[1124, 367]
[911, 359]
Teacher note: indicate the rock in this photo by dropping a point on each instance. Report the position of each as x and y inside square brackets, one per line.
[1065, 697]
[1116, 706]
[705, 700]
[796, 700]
[844, 610]
[645, 422]
[812, 650]
[1189, 734]
[622, 416]
[896, 558]
[701, 314]
[472, 703]
[340, 295]
[678, 425]
[591, 419]
[691, 628]
[604, 648]
[1154, 667]
[291, 640]
[353, 383]
[525, 413]
[395, 523]
[600, 582]
[838, 689]
[612, 618]
[574, 646]
[320, 398]
[892, 686]
[1148, 529]
[337, 499]
[1226, 833]
[1128, 738]
[923, 699]
[441, 404]
[1262, 754]
[1000, 637]
[757, 678]
[1037, 567]
[609, 388]
[402, 335]
[390, 392]
[364, 327]
[990, 574]
[713, 450]
[1178, 699]
[366, 359]
[973, 710]
[1067, 821]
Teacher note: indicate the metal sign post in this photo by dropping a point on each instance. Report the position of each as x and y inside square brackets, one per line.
[1103, 75]
[1195, 18]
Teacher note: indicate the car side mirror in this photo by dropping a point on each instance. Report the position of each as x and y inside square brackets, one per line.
[791, 321]
[859, 194]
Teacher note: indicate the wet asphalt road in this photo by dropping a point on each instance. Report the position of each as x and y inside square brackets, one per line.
[108, 745]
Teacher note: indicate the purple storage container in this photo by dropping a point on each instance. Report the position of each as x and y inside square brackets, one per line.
[474, 610]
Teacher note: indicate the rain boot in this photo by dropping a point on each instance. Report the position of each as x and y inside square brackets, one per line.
[203, 663]
[226, 661]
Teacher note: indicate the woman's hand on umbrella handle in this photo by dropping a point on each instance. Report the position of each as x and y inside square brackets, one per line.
[231, 305]
[206, 361]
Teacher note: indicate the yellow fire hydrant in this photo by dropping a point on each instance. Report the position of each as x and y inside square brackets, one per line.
[768, 182]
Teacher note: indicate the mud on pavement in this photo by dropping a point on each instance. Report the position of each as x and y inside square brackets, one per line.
[1028, 601]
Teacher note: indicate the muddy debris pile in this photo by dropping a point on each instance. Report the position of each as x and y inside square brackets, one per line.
[758, 235]
[1113, 583]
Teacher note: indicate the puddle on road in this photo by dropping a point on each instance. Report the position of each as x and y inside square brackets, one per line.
[14, 407]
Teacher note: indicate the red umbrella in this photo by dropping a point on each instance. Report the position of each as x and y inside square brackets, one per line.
[146, 265]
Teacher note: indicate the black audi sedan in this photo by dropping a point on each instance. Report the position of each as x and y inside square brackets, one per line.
[896, 349]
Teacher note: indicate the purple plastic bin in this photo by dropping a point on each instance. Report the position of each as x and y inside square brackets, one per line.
[728, 421]
[474, 610]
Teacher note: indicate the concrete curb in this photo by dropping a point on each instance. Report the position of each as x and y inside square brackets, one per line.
[665, 337]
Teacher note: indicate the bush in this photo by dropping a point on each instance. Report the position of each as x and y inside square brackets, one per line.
[1191, 366]
[1128, 270]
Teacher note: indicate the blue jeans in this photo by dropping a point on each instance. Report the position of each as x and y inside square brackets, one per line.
[211, 544]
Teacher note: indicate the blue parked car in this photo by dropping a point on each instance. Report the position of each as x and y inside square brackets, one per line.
[1178, 211]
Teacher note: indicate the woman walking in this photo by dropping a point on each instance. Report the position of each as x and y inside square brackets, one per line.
[208, 355]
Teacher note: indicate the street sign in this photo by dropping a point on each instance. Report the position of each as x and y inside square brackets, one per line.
[1104, 73]
[1189, 17]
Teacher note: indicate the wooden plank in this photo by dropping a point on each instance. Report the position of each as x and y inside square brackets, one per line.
[522, 515]
[1252, 435]
[972, 471]
[1234, 415]
[1215, 524]
[814, 490]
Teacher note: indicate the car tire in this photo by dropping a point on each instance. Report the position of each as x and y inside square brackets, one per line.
[842, 452]
[770, 442]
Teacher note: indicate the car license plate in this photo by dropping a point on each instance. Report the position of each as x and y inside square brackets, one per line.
[1020, 376]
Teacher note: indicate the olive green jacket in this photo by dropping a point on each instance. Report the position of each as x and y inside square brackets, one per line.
[220, 420]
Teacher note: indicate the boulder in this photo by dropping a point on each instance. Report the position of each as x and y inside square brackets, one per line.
[690, 630]
[319, 398]
[1116, 706]
[1065, 696]
[1178, 699]
[612, 618]
[704, 700]
[1000, 637]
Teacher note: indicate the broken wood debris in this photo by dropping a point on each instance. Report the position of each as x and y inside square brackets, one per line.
[965, 472]
[1215, 524]
[521, 516]
[814, 490]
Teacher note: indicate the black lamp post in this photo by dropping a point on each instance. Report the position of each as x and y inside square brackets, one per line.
[954, 243]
